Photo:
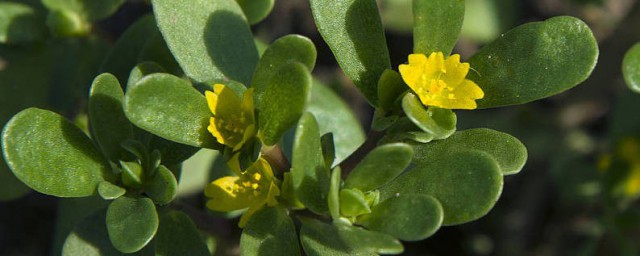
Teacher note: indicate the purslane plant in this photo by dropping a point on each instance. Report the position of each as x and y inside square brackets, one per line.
[296, 179]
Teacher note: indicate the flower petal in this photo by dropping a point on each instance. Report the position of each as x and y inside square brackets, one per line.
[227, 194]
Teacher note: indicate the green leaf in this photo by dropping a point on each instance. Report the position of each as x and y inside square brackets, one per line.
[19, 23]
[407, 217]
[283, 101]
[132, 174]
[172, 153]
[441, 123]
[123, 56]
[466, 183]
[509, 152]
[381, 165]
[280, 54]
[156, 50]
[436, 25]
[390, 87]
[353, 203]
[631, 68]
[309, 175]
[334, 193]
[178, 235]
[328, 149]
[90, 237]
[89, 10]
[53, 156]
[171, 108]
[162, 187]
[269, 232]
[353, 31]
[534, 61]
[141, 70]
[109, 191]
[256, 10]
[131, 223]
[336, 117]
[320, 239]
[210, 39]
[109, 125]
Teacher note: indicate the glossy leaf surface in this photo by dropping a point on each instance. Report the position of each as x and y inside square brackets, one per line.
[439, 122]
[256, 10]
[466, 183]
[509, 152]
[631, 68]
[534, 61]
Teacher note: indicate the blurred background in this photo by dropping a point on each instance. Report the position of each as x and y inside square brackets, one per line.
[577, 194]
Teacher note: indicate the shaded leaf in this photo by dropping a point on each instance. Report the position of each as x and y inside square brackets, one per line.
[631, 68]
[256, 10]
[178, 235]
[161, 187]
[89, 10]
[19, 23]
[109, 191]
[131, 223]
[436, 25]
[353, 31]
[270, 232]
[381, 165]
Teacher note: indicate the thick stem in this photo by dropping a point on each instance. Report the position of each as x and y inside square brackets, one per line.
[276, 159]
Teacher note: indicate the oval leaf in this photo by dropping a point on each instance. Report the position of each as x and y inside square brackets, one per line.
[131, 223]
[440, 122]
[508, 151]
[309, 174]
[407, 217]
[287, 49]
[631, 68]
[319, 239]
[283, 101]
[353, 203]
[162, 187]
[90, 237]
[141, 70]
[381, 165]
[109, 191]
[53, 156]
[354, 32]
[178, 235]
[210, 39]
[436, 25]
[171, 108]
[256, 10]
[534, 61]
[109, 125]
[334, 193]
[19, 23]
[270, 232]
[466, 183]
[390, 87]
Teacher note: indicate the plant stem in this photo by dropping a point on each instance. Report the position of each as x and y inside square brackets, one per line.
[373, 137]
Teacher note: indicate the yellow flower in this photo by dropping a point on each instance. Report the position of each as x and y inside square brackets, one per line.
[252, 188]
[233, 121]
[439, 82]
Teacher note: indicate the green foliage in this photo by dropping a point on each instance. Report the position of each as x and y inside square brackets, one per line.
[408, 217]
[89, 10]
[270, 232]
[466, 183]
[354, 32]
[554, 55]
[631, 68]
[210, 39]
[256, 10]
[324, 239]
[162, 187]
[436, 25]
[439, 122]
[131, 223]
[185, 109]
[309, 174]
[283, 101]
[19, 23]
[380, 166]
[53, 156]
[178, 235]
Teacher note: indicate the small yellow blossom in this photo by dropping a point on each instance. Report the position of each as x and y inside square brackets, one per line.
[441, 82]
[252, 189]
[233, 121]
